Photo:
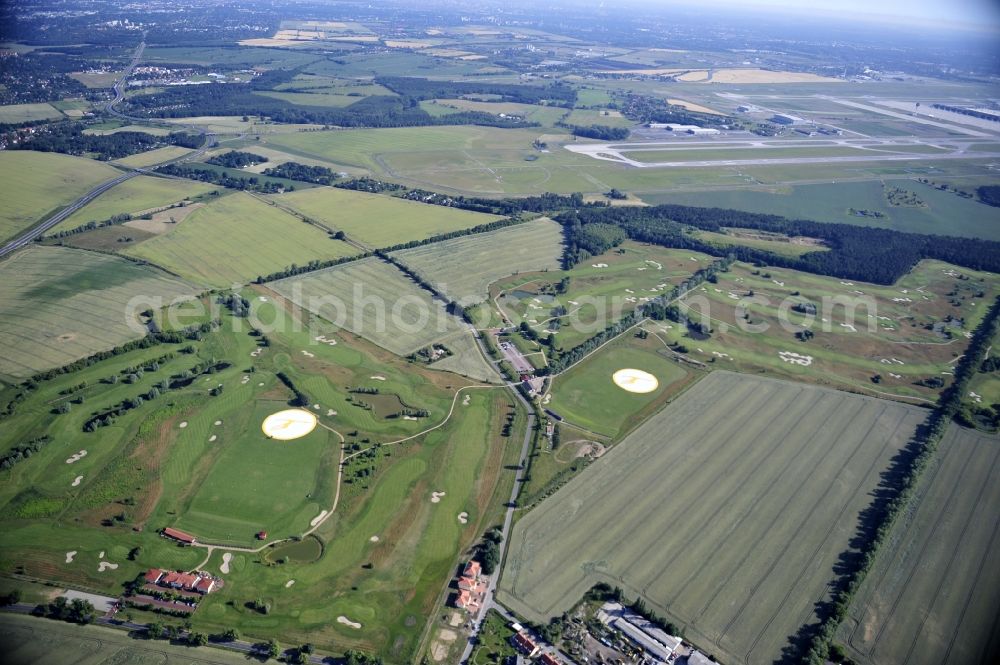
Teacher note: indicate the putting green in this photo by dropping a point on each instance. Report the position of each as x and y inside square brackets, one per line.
[635, 381]
[289, 424]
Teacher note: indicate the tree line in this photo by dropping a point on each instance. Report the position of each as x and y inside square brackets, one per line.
[69, 139]
[237, 159]
[556, 94]
[243, 183]
[317, 175]
[863, 253]
[599, 132]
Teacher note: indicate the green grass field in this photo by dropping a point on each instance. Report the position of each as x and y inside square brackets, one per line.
[546, 116]
[236, 238]
[587, 397]
[39, 183]
[463, 268]
[379, 221]
[60, 304]
[944, 214]
[132, 196]
[15, 113]
[373, 299]
[868, 329]
[466, 358]
[933, 594]
[153, 157]
[599, 291]
[725, 512]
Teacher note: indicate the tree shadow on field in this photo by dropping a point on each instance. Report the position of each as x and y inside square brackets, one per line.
[847, 572]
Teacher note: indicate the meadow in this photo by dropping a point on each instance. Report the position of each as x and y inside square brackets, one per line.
[236, 238]
[944, 213]
[37, 184]
[133, 196]
[17, 113]
[463, 268]
[378, 220]
[725, 512]
[874, 339]
[373, 299]
[153, 157]
[932, 596]
[60, 304]
[599, 291]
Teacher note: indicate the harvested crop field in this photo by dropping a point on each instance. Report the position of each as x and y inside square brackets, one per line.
[38, 183]
[726, 512]
[380, 221]
[463, 268]
[60, 304]
[934, 596]
[236, 238]
[373, 299]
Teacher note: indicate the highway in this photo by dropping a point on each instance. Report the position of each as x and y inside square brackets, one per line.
[35, 231]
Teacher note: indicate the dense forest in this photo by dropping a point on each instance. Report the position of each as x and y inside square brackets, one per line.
[318, 175]
[68, 138]
[240, 99]
[599, 132]
[864, 253]
[556, 94]
[37, 77]
[237, 159]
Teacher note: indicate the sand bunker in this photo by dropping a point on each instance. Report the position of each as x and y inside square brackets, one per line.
[226, 558]
[635, 380]
[183, 425]
[289, 583]
[347, 622]
[465, 402]
[69, 556]
[463, 518]
[212, 438]
[307, 354]
[323, 339]
[217, 423]
[319, 518]
[288, 424]
[76, 457]
[77, 481]
[436, 497]
[377, 377]
[795, 358]
[106, 565]
[373, 539]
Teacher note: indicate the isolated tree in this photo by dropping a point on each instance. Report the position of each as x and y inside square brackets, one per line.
[154, 630]
[197, 639]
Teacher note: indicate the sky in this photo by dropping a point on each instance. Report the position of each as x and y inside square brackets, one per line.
[984, 14]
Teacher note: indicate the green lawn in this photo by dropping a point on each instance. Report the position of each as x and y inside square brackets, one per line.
[16, 113]
[586, 396]
[236, 238]
[39, 183]
[377, 220]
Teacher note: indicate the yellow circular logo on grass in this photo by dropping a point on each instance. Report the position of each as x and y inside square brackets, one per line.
[635, 380]
[288, 424]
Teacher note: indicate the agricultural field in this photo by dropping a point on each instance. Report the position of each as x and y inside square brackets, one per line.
[463, 268]
[598, 292]
[874, 339]
[933, 594]
[234, 239]
[726, 512]
[377, 220]
[134, 196]
[17, 113]
[39, 183]
[60, 304]
[115, 127]
[373, 299]
[587, 397]
[29, 640]
[153, 157]
[942, 213]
